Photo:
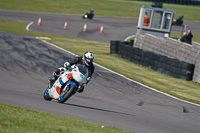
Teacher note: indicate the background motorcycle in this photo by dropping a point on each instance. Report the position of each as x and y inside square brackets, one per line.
[89, 15]
[67, 84]
[178, 21]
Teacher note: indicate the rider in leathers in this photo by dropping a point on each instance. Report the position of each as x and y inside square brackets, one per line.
[86, 60]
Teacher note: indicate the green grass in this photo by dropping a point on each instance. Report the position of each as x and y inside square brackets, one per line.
[15, 119]
[123, 8]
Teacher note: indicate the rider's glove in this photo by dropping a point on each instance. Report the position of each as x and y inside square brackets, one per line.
[66, 64]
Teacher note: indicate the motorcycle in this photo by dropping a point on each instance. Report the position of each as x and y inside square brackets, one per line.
[178, 21]
[69, 82]
[89, 15]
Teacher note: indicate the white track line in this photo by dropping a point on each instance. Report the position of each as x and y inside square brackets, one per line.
[122, 75]
[129, 37]
[27, 27]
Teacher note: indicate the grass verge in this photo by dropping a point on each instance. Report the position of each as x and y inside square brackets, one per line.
[16, 119]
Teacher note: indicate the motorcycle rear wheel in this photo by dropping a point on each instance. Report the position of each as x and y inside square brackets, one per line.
[46, 95]
[65, 95]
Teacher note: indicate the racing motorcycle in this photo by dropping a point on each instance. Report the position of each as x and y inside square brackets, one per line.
[179, 21]
[69, 82]
[89, 15]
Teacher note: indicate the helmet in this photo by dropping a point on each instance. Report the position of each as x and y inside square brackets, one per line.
[88, 58]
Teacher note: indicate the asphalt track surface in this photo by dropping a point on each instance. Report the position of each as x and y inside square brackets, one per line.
[109, 99]
[115, 28]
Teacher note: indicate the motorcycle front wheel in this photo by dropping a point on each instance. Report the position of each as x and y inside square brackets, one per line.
[46, 95]
[66, 93]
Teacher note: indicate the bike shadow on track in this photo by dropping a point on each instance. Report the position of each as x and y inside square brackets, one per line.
[98, 109]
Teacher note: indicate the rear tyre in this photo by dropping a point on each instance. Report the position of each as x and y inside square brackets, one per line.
[66, 93]
[46, 95]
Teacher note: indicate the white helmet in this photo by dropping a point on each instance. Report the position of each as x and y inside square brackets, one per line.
[88, 58]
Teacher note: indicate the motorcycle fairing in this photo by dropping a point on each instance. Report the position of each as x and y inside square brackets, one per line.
[60, 80]
[47, 91]
[54, 91]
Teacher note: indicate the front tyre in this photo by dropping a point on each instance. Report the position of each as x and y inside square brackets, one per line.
[66, 93]
[46, 95]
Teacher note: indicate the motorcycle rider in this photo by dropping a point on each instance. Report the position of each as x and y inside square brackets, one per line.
[90, 13]
[86, 60]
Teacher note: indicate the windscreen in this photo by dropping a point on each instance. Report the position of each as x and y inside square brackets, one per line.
[83, 69]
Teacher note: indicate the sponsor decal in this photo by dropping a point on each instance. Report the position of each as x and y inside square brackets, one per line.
[58, 89]
[81, 75]
[60, 80]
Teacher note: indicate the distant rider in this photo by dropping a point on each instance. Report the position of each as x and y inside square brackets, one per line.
[90, 14]
[86, 60]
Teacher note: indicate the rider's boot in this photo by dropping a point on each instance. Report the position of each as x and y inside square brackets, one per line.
[53, 78]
